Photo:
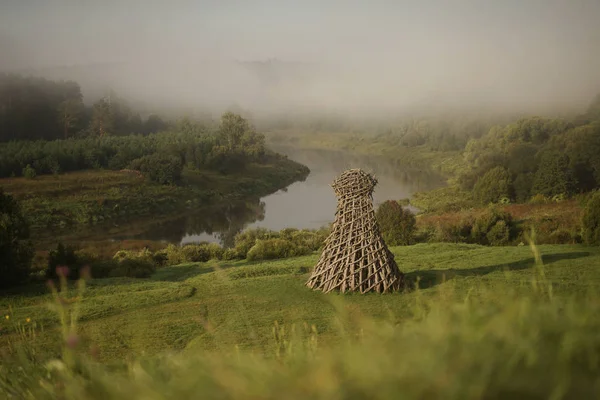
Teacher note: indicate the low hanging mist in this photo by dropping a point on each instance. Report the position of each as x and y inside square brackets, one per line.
[354, 58]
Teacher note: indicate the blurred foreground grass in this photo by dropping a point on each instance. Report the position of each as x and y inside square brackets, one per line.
[485, 323]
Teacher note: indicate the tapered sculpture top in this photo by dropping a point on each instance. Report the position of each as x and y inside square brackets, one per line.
[354, 182]
[355, 257]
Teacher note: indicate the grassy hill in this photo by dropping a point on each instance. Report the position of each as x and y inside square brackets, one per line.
[486, 320]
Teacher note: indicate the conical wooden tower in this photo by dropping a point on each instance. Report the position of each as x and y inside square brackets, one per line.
[355, 257]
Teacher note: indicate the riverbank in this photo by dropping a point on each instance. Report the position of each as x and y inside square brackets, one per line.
[445, 213]
[446, 163]
[98, 205]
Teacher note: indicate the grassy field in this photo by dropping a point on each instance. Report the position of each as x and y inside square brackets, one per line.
[487, 322]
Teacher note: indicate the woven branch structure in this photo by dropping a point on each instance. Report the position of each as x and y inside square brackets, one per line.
[355, 257]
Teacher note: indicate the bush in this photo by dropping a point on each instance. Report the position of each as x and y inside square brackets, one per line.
[396, 224]
[29, 172]
[269, 249]
[132, 268]
[499, 234]
[554, 176]
[246, 240]
[493, 186]
[591, 220]
[193, 252]
[160, 258]
[539, 199]
[160, 168]
[174, 255]
[216, 251]
[522, 187]
[459, 232]
[63, 256]
[493, 227]
[16, 250]
[230, 254]
[196, 253]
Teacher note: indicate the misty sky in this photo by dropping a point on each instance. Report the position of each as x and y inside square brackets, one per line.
[367, 53]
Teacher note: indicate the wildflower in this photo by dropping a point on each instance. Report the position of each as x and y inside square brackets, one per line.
[28, 320]
[7, 316]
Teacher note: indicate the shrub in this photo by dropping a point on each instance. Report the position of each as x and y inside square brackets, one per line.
[311, 240]
[522, 187]
[539, 199]
[493, 227]
[160, 258]
[29, 172]
[63, 256]
[456, 232]
[195, 253]
[269, 249]
[132, 268]
[230, 254]
[16, 250]
[160, 168]
[396, 224]
[554, 176]
[499, 234]
[492, 186]
[246, 240]
[174, 255]
[216, 251]
[591, 220]
[143, 254]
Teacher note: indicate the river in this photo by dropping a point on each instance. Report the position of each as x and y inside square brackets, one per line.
[304, 205]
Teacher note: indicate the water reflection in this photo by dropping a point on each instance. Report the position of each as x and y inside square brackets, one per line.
[305, 205]
[217, 223]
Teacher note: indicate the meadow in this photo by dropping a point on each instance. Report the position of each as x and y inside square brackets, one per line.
[478, 322]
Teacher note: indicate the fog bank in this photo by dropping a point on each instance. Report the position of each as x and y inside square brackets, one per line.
[354, 57]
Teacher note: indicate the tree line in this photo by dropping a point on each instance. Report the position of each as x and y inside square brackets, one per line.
[535, 156]
[160, 156]
[34, 108]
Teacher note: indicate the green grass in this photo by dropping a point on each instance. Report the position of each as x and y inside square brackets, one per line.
[244, 299]
[487, 322]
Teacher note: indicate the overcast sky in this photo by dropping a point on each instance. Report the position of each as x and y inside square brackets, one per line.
[373, 52]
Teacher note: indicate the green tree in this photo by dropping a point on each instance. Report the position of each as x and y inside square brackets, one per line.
[69, 115]
[493, 227]
[494, 185]
[103, 119]
[16, 250]
[153, 124]
[591, 220]
[397, 225]
[161, 168]
[63, 256]
[233, 127]
[554, 175]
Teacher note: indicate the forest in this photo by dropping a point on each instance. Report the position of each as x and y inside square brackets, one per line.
[35, 108]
